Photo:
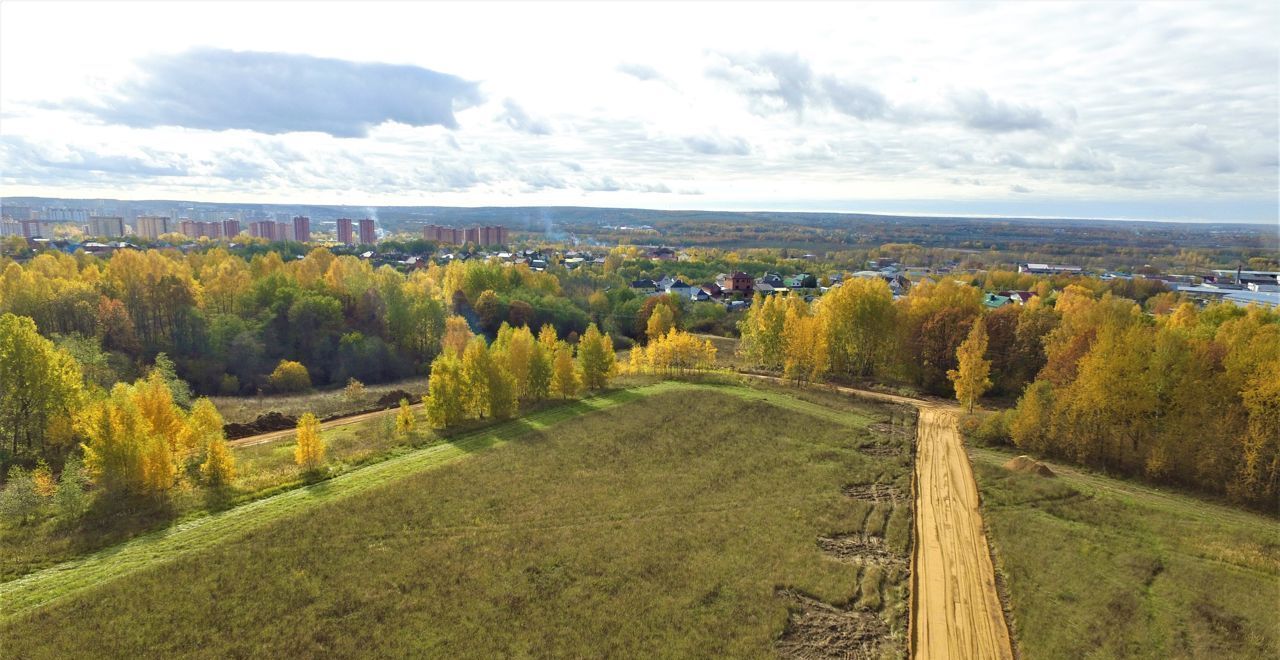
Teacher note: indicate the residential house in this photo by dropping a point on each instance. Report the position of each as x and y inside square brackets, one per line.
[995, 301]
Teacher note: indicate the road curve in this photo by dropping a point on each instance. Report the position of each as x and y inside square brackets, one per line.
[955, 608]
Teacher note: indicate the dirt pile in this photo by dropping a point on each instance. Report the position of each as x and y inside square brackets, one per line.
[818, 630]
[1028, 465]
[265, 423]
[393, 397]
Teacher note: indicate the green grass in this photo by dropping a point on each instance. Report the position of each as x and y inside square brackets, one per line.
[1100, 567]
[663, 526]
[324, 403]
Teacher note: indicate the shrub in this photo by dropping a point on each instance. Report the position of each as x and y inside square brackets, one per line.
[229, 385]
[290, 376]
[19, 500]
[70, 497]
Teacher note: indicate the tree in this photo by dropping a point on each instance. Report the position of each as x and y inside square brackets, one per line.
[456, 335]
[444, 401]
[39, 384]
[290, 376]
[596, 358]
[1259, 479]
[565, 381]
[405, 421]
[206, 429]
[971, 376]
[309, 451]
[70, 497]
[19, 499]
[660, 322]
[354, 391]
[219, 467]
[540, 372]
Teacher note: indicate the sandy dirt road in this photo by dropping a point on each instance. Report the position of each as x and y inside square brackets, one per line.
[264, 438]
[955, 608]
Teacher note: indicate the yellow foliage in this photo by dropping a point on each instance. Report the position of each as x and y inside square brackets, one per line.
[309, 451]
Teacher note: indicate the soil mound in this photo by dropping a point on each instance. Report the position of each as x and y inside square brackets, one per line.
[1028, 465]
[265, 423]
[393, 397]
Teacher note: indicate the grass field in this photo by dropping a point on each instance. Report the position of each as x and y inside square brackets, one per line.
[681, 520]
[1104, 568]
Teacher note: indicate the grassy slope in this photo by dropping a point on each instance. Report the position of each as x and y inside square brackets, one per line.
[663, 525]
[1100, 567]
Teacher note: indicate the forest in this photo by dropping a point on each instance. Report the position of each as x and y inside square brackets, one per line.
[1118, 374]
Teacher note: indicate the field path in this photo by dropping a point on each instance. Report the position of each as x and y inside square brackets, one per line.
[272, 436]
[955, 608]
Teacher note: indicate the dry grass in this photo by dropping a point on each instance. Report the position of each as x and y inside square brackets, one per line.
[325, 403]
[667, 526]
[1102, 567]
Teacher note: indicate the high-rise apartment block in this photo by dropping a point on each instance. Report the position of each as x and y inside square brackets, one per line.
[344, 231]
[301, 228]
[104, 225]
[367, 234]
[230, 228]
[152, 226]
[444, 235]
[487, 235]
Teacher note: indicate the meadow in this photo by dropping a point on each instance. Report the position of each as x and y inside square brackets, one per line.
[1101, 567]
[690, 520]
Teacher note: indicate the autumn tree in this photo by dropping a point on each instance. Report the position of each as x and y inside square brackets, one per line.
[596, 358]
[971, 377]
[309, 451]
[405, 420]
[660, 322]
[290, 376]
[456, 336]
[444, 403]
[565, 380]
[205, 427]
[39, 384]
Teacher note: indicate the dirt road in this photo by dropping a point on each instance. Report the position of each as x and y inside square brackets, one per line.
[264, 438]
[955, 608]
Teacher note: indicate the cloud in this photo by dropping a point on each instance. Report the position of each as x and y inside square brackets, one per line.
[855, 100]
[517, 118]
[775, 81]
[977, 110]
[640, 71]
[275, 93]
[1019, 189]
[715, 145]
[75, 162]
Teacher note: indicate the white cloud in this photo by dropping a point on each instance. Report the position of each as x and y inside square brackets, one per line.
[848, 106]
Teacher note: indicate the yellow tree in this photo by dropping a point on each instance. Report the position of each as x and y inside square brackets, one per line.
[660, 322]
[1260, 474]
[564, 375]
[596, 358]
[540, 371]
[205, 430]
[405, 421]
[547, 337]
[971, 377]
[456, 336]
[309, 452]
[444, 401]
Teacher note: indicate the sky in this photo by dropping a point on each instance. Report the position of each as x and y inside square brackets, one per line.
[1107, 110]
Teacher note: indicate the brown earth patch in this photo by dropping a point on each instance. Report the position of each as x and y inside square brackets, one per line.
[890, 429]
[859, 549]
[818, 630]
[265, 423]
[875, 493]
[1028, 465]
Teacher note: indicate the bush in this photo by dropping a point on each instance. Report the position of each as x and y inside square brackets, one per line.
[229, 385]
[290, 376]
[70, 496]
[19, 499]
[988, 428]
